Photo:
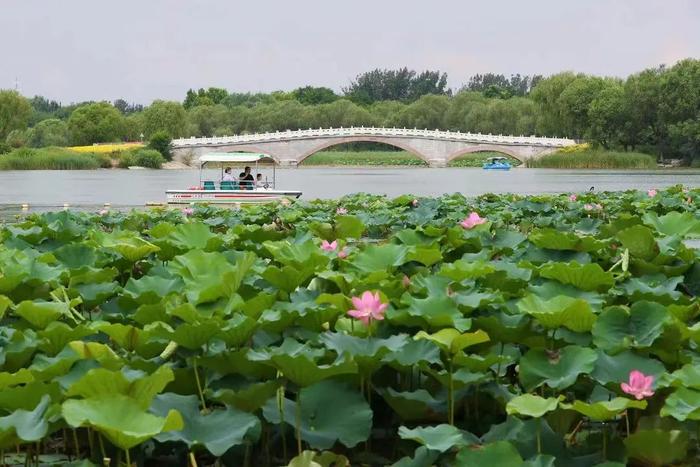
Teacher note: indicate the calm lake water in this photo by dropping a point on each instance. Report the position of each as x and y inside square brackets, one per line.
[46, 189]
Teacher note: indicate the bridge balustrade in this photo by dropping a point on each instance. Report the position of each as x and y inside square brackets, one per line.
[373, 131]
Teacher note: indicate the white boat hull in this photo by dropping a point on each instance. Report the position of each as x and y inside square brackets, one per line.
[228, 196]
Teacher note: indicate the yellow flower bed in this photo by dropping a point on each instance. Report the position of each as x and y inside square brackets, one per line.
[107, 148]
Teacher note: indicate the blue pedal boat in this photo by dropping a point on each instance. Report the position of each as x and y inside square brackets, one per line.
[497, 163]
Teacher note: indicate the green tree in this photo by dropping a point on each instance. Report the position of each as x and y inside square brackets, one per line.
[15, 111]
[95, 123]
[210, 96]
[133, 127]
[679, 109]
[164, 116]
[279, 116]
[427, 112]
[310, 95]
[641, 109]
[574, 103]
[385, 113]
[18, 138]
[606, 116]
[50, 132]
[546, 95]
[457, 117]
[161, 142]
[208, 120]
[399, 85]
[685, 138]
[341, 113]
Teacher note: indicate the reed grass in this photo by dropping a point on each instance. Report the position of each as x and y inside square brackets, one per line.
[52, 158]
[594, 159]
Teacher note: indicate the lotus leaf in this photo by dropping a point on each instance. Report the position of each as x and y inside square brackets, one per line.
[439, 438]
[452, 341]
[41, 314]
[683, 404]
[102, 383]
[531, 405]
[657, 447]
[349, 422]
[498, 453]
[560, 311]
[558, 369]
[413, 405]
[674, 223]
[619, 328]
[126, 243]
[217, 431]
[583, 276]
[23, 426]
[120, 419]
[640, 242]
[605, 410]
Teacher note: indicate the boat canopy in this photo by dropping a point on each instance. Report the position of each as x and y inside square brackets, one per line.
[235, 157]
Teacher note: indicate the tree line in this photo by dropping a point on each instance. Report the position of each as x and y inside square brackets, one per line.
[656, 110]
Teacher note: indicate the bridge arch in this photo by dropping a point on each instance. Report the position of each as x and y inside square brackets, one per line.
[330, 142]
[486, 148]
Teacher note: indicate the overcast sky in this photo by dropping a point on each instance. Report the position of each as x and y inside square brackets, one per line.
[140, 50]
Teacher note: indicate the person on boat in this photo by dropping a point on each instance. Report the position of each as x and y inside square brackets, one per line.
[260, 183]
[247, 180]
[228, 176]
[241, 182]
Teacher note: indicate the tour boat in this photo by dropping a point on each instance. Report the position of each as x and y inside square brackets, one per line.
[233, 192]
[497, 163]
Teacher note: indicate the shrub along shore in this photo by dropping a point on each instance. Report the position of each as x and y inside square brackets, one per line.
[53, 158]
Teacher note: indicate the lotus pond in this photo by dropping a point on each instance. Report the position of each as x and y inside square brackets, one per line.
[501, 330]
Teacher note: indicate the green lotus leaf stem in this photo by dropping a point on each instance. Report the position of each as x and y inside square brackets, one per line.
[75, 442]
[199, 384]
[297, 421]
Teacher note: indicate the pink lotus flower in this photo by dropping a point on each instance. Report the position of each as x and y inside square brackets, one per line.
[325, 246]
[103, 212]
[572, 197]
[341, 211]
[472, 221]
[342, 254]
[368, 307]
[639, 385]
[406, 281]
[588, 207]
[652, 192]
[414, 203]
[188, 211]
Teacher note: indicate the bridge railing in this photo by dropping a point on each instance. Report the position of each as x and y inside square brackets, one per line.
[373, 131]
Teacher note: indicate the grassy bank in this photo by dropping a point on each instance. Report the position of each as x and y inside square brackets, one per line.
[594, 159]
[52, 159]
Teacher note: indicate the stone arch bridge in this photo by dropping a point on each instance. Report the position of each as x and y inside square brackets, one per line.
[437, 148]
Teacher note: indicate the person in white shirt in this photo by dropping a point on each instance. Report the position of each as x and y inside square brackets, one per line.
[259, 183]
[228, 177]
